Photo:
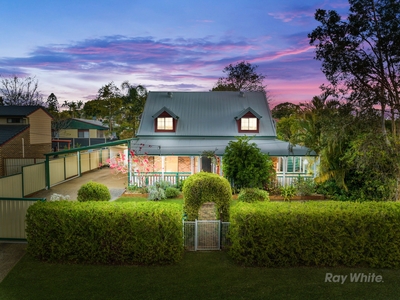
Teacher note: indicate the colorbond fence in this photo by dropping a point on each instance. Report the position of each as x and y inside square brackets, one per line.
[12, 217]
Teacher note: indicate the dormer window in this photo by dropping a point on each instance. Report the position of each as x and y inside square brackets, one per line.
[165, 123]
[165, 120]
[248, 121]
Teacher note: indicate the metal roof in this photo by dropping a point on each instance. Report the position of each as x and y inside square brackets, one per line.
[19, 111]
[76, 123]
[196, 146]
[7, 132]
[206, 114]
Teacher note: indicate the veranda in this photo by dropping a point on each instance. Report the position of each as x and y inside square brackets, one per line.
[147, 170]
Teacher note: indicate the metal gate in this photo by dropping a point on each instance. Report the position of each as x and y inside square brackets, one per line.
[205, 234]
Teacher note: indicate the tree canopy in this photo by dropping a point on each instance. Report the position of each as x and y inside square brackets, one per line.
[20, 91]
[241, 77]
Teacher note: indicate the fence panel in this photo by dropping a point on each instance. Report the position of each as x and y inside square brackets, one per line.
[85, 162]
[151, 179]
[11, 186]
[12, 217]
[57, 171]
[71, 166]
[14, 165]
[34, 178]
[94, 160]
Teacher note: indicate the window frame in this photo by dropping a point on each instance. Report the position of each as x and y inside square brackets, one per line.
[248, 115]
[164, 116]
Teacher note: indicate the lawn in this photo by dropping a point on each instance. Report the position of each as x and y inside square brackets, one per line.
[200, 275]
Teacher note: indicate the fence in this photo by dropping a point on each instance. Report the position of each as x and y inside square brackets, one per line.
[205, 235]
[12, 217]
[14, 165]
[147, 179]
[290, 178]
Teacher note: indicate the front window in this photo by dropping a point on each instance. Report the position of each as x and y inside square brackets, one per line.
[83, 133]
[248, 124]
[165, 123]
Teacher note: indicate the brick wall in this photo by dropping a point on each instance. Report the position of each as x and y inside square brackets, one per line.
[14, 149]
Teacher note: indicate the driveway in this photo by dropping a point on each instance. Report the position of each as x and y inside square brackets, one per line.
[115, 183]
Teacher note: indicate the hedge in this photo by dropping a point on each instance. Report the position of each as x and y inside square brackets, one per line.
[316, 234]
[105, 232]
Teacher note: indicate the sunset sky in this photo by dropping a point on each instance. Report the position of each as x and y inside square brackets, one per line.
[75, 47]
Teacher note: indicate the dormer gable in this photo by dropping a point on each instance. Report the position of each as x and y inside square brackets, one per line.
[248, 121]
[165, 120]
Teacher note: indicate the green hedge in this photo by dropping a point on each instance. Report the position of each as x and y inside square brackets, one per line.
[316, 234]
[252, 195]
[105, 232]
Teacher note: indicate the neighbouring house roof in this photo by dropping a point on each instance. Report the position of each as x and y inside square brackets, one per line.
[86, 124]
[19, 111]
[206, 113]
[8, 132]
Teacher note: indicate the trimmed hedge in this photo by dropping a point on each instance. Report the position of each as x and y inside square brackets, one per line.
[316, 234]
[105, 232]
[252, 195]
[205, 187]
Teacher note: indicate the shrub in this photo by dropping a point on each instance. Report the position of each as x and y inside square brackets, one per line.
[253, 195]
[105, 232]
[207, 187]
[156, 193]
[59, 197]
[93, 191]
[331, 233]
[288, 192]
[305, 186]
[171, 192]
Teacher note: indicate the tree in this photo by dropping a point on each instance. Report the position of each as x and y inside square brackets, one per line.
[74, 108]
[285, 109]
[241, 77]
[52, 104]
[244, 165]
[132, 107]
[20, 91]
[360, 56]
[111, 99]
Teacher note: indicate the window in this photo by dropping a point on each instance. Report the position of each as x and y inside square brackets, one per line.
[248, 124]
[83, 133]
[16, 120]
[165, 123]
[100, 133]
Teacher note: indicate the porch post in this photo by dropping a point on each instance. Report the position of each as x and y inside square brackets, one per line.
[284, 168]
[220, 165]
[199, 164]
[162, 167]
[192, 165]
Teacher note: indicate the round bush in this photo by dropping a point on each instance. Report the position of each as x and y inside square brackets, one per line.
[253, 195]
[93, 191]
[171, 192]
[207, 187]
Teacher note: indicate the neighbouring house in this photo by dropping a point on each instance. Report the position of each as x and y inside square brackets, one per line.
[182, 133]
[25, 136]
[81, 133]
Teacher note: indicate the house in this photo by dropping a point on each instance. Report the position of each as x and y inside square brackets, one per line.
[186, 132]
[25, 136]
[80, 132]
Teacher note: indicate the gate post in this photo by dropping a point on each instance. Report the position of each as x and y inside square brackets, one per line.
[195, 235]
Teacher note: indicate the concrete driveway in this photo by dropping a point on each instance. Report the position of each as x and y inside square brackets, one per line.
[115, 183]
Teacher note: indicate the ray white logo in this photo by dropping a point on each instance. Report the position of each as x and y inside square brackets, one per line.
[353, 277]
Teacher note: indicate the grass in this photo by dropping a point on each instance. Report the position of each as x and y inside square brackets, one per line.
[200, 275]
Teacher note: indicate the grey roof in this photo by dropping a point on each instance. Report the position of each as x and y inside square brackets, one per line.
[195, 146]
[206, 114]
[7, 132]
[18, 111]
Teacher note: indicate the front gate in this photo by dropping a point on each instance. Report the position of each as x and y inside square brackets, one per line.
[205, 234]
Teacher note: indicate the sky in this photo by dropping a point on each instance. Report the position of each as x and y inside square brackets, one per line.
[73, 48]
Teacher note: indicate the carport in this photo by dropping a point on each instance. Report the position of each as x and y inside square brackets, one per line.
[69, 164]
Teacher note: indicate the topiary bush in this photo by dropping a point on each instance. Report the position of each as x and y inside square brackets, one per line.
[93, 191]
[253, 195]
[156, 193]
[207, 187]
[171, 192]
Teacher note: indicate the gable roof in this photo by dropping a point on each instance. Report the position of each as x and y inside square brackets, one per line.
[19, 111]
[245, 111]
[7, 132]
[168, 111]
[86, 124]
[206, 114]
